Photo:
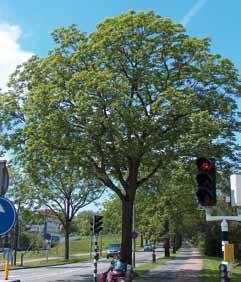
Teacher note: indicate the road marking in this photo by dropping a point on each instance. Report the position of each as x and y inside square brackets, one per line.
[2, 209]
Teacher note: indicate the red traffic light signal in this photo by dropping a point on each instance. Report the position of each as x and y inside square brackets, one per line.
[206, 180]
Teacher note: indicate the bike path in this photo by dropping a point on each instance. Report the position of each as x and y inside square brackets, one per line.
[185, 267]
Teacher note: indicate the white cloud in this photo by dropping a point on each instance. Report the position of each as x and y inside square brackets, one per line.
[11, 53]
[192, 12]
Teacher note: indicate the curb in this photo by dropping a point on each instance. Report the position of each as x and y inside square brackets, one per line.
[37, 266]
[10, 281]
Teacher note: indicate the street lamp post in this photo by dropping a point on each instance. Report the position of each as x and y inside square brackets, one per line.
[4, 178]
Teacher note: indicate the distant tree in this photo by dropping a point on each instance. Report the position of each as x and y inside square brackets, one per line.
[112, 216]
[20, 193]
[122, 102]
[31, 241]
[64, 190]
[82, 222]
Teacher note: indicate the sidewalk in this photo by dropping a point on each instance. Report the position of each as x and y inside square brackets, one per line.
[184, 268]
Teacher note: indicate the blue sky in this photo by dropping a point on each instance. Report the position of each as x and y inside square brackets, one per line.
[220, 20]
[30, 22]
[25, 25]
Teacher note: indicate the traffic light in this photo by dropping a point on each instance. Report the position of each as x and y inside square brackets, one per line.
[97, 223]
[206, 179]
[92, 225]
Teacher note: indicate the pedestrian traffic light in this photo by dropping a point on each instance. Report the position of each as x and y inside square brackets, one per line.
[92, 225]
[97, 223]
[206, 179]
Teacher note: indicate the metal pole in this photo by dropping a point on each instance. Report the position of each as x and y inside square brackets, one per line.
[4, 177]
[95, 258]
[153, 255]
[100, 245]
[133, 239]
[224, 228]
[21, 259]
[91, 244]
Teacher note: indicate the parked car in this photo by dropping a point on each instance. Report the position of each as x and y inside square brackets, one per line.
[113, 249]
[148, 247]
[159, 245]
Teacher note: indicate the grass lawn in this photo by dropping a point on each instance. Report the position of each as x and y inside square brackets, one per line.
[210, 272]
[76, 247]
[80, 246]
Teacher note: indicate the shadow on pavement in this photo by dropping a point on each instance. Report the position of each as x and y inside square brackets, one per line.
[186, 257]
[75, 278]
[188, 276]
[68, 267]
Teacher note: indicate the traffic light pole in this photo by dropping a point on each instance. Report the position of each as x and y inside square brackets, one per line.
[224, 223]
[224, 228]
[95, 228]
[225, 267]
[95, 258]
[133, 239]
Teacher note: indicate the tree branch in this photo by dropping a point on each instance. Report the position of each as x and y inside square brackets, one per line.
[144, 179]
[101, 174]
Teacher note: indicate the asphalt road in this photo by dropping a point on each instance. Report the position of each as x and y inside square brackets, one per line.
[75, 272]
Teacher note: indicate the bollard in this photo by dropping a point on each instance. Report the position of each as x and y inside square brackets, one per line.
[6, 269]
[129, 271]
[167, 252]
[153, 256]
[21, 263]
[6, 264]
[167, 248]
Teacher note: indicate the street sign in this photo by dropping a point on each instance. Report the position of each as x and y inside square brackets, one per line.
[4, 178]
[134, 234]
[7, 215]
[47, 236]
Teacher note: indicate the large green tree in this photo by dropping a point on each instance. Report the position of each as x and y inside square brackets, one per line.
[122, 102]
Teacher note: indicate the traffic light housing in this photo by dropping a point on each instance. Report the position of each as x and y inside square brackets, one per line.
[95, 224]
[92, 225]
[206, 180]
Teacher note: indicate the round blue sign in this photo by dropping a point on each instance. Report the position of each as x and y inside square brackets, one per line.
[47, 236]
[7, 215]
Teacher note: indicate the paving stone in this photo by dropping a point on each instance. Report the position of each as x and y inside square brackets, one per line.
[185, 267]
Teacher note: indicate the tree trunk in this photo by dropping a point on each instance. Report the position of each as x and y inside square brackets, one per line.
[142, 239]
[66, 241]
[174, 245]
[127, 217]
